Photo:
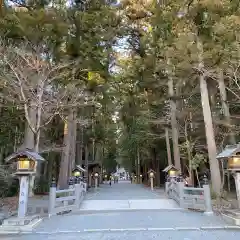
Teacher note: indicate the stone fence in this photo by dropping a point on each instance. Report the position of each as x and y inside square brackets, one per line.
[67, 199]
[190, 197]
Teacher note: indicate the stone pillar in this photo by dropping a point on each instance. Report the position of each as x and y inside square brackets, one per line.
[151, 183]
[78, 192]
[52, 198]
[23, 196]
[181, 191]
[207, 197]
[96, 182]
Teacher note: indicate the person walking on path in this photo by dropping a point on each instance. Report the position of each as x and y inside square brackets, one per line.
[110, 180]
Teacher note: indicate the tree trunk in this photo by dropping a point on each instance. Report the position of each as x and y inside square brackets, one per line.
[29, 134]
[168, 147]
[212, 151]
[80, 146]
[138, 166]
[29, 142]
[174, 124]
[189, 154]
[86, 163]
[73, 136]
[64, 166]
[158, 174]
[225, 106]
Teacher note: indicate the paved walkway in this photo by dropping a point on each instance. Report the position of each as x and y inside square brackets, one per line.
[126, 196]
[150, 215]
[123, 190]
[127, 206]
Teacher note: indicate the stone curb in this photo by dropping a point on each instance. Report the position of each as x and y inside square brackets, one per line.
[124, 230]
[126, 210]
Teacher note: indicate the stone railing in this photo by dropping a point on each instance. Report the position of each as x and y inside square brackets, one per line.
[190, 197]
[67, 199]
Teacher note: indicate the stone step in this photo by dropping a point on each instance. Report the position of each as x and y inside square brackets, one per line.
[149, 204]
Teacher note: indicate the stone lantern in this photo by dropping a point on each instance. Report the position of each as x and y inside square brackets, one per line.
[151, 174]
[172, 172]
[234, 163]
[96, 175]
[78, 173]
[141, 177]
[230, 158]
[26, 166]
[27, 163]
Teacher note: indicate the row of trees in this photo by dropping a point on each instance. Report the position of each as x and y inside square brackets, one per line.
[183, 57]
[55, 82]
[66, 70]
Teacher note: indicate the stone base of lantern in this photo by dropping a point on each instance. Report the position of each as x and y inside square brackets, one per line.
[18, 225]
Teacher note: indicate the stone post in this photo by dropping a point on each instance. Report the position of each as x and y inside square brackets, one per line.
[140, 179]
[84, 187]
[71, 182]
[167, 186]
[207, 197]
[181, 186]
[23, 196]
[96, 182]
[151, 182]
[78, 194]
[237, 184]
[90, 180]
[52, 198]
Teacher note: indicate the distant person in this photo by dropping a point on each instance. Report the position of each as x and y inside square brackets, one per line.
[110, 180]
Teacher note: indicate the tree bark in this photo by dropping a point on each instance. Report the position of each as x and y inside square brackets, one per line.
[174, 124]
[29, 141]
[138, 165]
[222, 90]
[168, 146]
[64, 166]
[73, 136]
[86, 163]
[211, 144]
[80, 146]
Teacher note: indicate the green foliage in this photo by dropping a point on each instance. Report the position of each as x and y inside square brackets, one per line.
[5, 181]
[160, 45]
[42, 186]
[198, 160]
[109, 161]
